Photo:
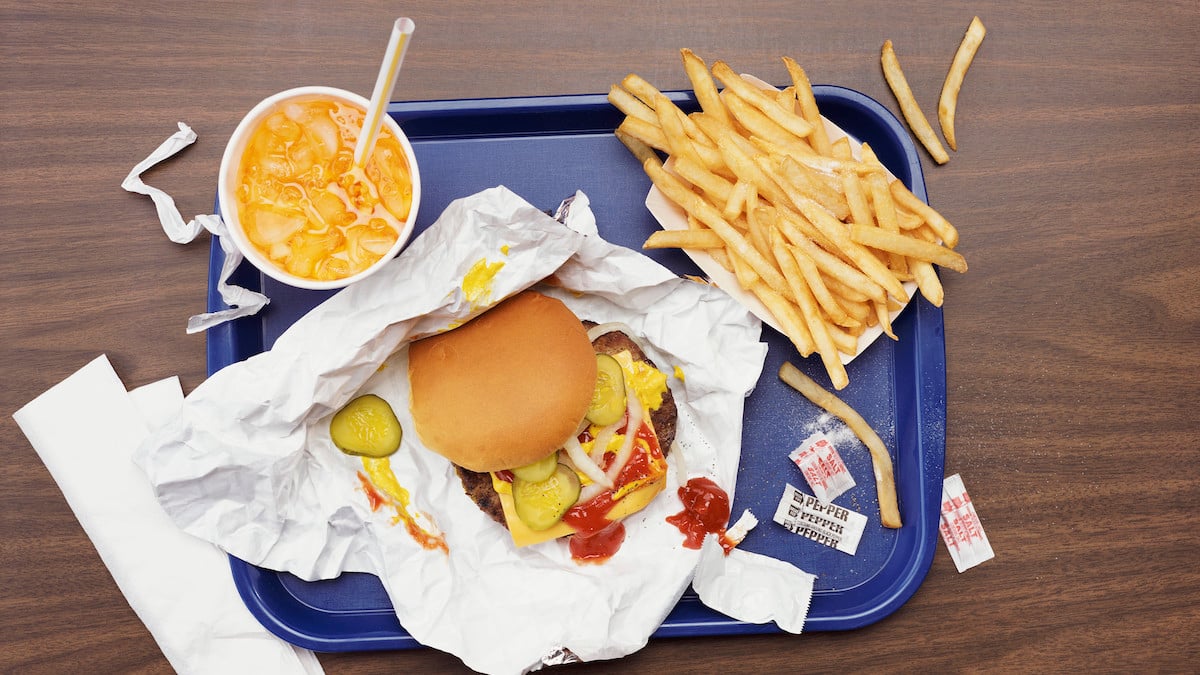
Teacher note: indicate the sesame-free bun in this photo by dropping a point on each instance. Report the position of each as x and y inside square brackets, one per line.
[505, 389]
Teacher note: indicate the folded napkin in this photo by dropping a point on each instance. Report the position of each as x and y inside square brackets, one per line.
[178, 585]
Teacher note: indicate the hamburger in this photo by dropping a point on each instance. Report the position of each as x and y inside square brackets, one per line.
[555, 427]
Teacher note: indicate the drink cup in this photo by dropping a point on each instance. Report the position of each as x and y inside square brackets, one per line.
[293, 201]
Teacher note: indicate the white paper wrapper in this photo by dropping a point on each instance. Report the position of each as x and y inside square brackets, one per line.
[241, 301]
[248, 463]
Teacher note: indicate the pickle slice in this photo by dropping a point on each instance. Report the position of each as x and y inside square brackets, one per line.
[366, 426]
[608, 399]
[541, 504]
[539, 470]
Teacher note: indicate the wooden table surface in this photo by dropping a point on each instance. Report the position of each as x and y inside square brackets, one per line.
[1072, 357]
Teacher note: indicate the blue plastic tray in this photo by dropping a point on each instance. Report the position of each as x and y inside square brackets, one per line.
[544, 149]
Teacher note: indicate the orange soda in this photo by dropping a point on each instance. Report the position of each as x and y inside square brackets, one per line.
[306, 207]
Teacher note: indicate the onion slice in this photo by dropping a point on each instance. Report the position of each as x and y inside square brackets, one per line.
[633, 406]
[603, 438]
[585, 463]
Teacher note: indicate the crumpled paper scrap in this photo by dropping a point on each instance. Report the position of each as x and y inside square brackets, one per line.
[241, 301]
[248, 463]
[753, 588]
[178, 585]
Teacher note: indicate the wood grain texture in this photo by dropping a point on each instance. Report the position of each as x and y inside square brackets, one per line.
[1072, 344]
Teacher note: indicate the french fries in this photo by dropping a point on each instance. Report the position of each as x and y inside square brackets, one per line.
[814, 228]
[954, 78]
[909, 106]
[881, 461]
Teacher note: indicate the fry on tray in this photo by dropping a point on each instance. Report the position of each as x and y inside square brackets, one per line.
[684, 239]
[909, 106]
[954, 78]
[813, 227]
[881, 461]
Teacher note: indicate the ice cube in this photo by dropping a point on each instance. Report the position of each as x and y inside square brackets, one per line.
[266, 226]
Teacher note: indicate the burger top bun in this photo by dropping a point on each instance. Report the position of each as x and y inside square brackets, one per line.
[505, 389]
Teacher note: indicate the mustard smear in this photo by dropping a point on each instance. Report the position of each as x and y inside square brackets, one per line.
[477, 282]
[379, 473]
[649, 382]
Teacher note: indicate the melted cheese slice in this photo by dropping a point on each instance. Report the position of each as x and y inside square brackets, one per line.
[628, 505]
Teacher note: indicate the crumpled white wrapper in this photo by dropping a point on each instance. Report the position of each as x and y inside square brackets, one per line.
[248, 463]
[241, 301]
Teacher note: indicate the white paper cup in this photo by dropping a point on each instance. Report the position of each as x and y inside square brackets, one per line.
[228, 180]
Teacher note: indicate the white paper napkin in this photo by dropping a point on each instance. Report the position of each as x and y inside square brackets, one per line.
[178, 585]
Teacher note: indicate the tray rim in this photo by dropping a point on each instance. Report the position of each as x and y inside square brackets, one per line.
[225, 345]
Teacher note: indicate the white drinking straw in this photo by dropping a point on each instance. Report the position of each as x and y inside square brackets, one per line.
[392, 58]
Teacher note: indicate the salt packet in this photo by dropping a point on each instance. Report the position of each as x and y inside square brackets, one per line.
[828, 524]
[822, 467]
[960, 526]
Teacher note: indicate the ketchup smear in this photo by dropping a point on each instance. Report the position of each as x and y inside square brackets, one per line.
[705, 510]
[596, 538]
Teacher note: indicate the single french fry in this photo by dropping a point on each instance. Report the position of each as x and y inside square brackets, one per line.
[885, 319]
[881, 461]
[877, 238]
[703, 85]
[788, 318]
[845, 341]
[906, 199]
[928, 282]
[706, 213]
[648, 133]
[841, 149]
[812, 276]
[670, 120]
[963, 57]
[736, 204]
[826, 347]
[908, 220]
[759, 125]
[636, 147]
[631, 105]
[639, 87]
[808, 107]
[909, 106]
[746, 276]
[884, 207]
[697, 239]
[859, 310]
[716, 187]
[647, 92]
[856, 199]
[925, 233]
[788, 119]
[786, 98]
[759, 235]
